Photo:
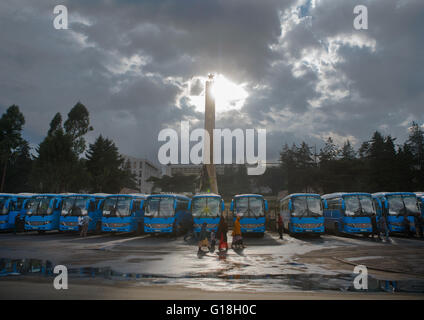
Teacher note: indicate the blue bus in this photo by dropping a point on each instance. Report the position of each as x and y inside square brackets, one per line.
[167, 213]
[78, 205]
[43, 212]
[10, 206]
[394, 205]
[348, 212]
[251, 208]
[207, 208]
[302, 213]
[123, 213]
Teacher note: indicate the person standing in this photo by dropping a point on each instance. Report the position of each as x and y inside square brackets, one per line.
[203, 237]
[237, 238]
[280, 226]
[406, 225]
[85, 220]
[17, 226]
[190, 229]
[221, 233]
[383, 228]
[418, 221]
[374, 227]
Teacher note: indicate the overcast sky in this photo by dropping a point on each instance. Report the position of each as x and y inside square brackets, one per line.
[297, 68]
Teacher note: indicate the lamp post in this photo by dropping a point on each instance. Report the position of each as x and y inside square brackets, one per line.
[209, 126]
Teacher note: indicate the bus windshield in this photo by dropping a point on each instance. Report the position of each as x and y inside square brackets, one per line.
[307, 207]
[117, 207]
[250, 206]
[159, 207]
[74, 206]
[401, 204]
[205, 206]
[359, 205]
[39, 206]
[3, 209]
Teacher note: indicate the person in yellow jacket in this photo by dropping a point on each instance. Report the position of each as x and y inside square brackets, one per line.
[237, 238]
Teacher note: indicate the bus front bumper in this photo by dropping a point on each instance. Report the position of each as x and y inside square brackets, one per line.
[319, 230]
[4, 225]
[116, 228]
[148, 229]
[260, 229]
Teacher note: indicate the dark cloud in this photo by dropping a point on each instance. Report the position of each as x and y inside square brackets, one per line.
[308, 73]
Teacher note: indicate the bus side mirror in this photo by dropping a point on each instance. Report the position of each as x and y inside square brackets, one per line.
[379, 204]
[175, 205]
[189, 205]
[266, 205]
[343, 205]
[222, 206]
[386, 204]
[232, 205]
[290, 205]
[132, 206]
[325, 203]
[24, 204]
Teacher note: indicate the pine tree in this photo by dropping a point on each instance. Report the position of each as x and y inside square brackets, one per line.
[105, 167]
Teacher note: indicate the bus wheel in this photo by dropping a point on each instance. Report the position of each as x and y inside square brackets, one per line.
[41, 231]
[98, 229]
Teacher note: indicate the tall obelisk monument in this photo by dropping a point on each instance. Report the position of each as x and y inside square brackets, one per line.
[209, 126]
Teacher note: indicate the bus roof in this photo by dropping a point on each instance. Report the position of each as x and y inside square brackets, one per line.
[342, 194]
[383, 194]
[170, 195]
[7, 195]
[127, 196]
[27, 194]
[248, 195]
[53, 195]
[202, 195]
[292, 195]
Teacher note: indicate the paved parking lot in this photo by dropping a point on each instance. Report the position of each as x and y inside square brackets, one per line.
[168, 267]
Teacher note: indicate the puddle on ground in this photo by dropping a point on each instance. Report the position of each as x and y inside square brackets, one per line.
[303, 282]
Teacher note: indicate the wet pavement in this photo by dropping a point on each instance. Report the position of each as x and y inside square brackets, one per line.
[268, 264]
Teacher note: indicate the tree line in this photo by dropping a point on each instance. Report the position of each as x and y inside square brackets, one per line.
[378, 165]
[62, 162]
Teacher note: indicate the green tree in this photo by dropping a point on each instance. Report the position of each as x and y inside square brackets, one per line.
[106, 168]
[11, 141]
[77, 125]
[415, 145]
[56, 168]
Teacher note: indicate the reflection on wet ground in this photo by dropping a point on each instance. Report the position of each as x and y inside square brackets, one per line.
[291, 282]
